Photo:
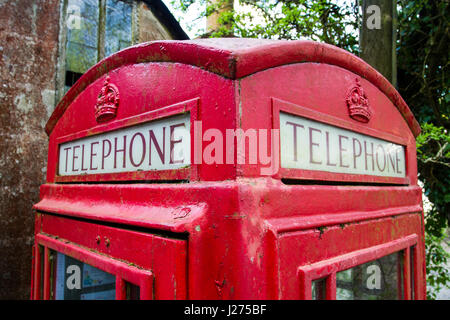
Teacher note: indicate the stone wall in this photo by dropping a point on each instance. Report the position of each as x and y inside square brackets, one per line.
[29, 64]
[149, 28]
[28, 47]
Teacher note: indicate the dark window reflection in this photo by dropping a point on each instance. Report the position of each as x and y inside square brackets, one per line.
[318, 289]
[376, 280]
[133, 291]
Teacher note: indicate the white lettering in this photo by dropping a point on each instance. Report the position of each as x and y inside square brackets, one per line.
[74, 280]
[374, 17]
[374, 280]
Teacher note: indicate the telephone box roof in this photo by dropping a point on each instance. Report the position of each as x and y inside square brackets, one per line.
[236, 58]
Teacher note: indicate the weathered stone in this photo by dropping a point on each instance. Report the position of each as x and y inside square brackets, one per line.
[149, 28]
[28, 38]
[29, 91]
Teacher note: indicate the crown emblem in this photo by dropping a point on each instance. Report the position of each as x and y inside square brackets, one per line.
[358, 104]
[107, 102]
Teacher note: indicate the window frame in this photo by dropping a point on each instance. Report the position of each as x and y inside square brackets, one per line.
[329, 268]
[101, 36]
[121, 270]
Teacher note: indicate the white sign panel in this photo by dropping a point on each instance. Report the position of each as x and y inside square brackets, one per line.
[312, 145]
[157, 145]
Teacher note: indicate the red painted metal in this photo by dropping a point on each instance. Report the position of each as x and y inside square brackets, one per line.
[224, 231]
[329, 268]
[168, 266]
[121, 292]
[46, 274]
[234, 59]
[37, 274]
[407, 274]
[122, 270]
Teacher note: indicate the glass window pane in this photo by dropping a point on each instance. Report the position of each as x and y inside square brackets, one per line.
[76, 280]
[118, 26]
[376, 280]
[133, 291]
[41, 271]
[52, 261]
[412, 271]
[82, 35]
[318, 289]
[71, 78]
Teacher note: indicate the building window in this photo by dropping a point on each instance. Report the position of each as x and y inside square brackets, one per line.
[93, 30]
[118, 33]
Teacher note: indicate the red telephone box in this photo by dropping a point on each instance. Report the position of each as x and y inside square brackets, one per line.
[230, 169]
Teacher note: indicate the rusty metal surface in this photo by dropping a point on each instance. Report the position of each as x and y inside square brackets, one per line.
[28, 42]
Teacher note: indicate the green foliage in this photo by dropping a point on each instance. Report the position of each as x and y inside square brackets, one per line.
[438, 276]
[422, 58]
[422, 54]
[433, 157]
[319, 20]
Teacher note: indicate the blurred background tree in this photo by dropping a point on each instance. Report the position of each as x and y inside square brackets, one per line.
[422, 56]
[421, 34]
